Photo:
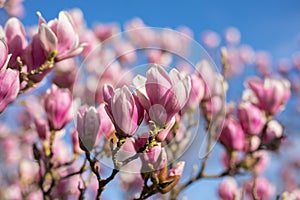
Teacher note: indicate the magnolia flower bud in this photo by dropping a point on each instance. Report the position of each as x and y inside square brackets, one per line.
[106, 126]
[124, 110]
[75, 142]
[153, 159]
[262, 161]
[197, 93]
[232, 135]
[57, 104]
[10, 86]
[273, 132]
[88, 124]
[4, 55]
[16, 40]
[228, 189]
[33, 57]
[177, 170]
[42, 128]
[252, 118]
[211, 39]
[263, 188]
[161, 136]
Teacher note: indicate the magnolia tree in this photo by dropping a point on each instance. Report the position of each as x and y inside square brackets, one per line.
[140, 111]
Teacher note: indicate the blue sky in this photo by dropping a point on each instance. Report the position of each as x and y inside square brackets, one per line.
[271, 24]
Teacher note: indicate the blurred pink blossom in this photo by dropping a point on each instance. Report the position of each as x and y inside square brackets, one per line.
[57, 104]
[228, 189]
[232, 135]
[211, 39]
[272, 94]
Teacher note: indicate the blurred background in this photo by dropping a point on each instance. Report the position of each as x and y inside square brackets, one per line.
[269, 25]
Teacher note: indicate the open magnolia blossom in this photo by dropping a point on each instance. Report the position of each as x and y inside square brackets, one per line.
[59, 35]
[272, 94]
[161, 94]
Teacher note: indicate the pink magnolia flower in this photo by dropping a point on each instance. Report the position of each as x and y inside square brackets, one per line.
[75, 142]
[16, 40]
[11, 150]
[28, 171]
[158, 56]
[140, 34]
[57, 104]
[228, 189]
[232, 135]
[156, 156]
[246, 54]
[196, 95]
[214, 84]
[161, 136]
[284, 65]
[232, 35]
[251, 117]
[4, 59]
[211, 39]
[9, 87]
[131, 182]
[77, 19]
[234, 61]
[273, 131]
[272, 94]
[263, 188]
[14, 8]
[108, 76]
[106, 126]
[125, 51]
[124, 110]
[59, 35]
[177, 170]
[12, 191]
[212, 107]
[263, 61]
[293, 195]
[61, 150]
[88, 124]
[174, 41]
[162, 94]
[34, 56]
[35, 195]
[65, 73]
[252, 143]
[42, 128]
[263, 159]
[152, 159]
[105, 31]
[229, 159]
[89, 38]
